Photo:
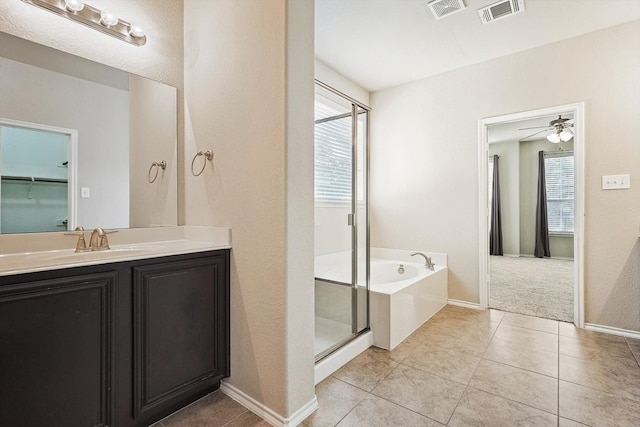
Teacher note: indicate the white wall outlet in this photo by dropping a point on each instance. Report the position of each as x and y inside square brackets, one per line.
[85, 193]
[616, 182]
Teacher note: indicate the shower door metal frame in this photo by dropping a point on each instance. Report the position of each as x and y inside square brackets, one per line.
[357, 108]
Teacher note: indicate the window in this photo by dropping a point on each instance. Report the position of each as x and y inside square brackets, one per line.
[333, 157]
[559, 177]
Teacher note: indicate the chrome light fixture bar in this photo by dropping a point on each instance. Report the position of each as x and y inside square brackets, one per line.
[101, 20]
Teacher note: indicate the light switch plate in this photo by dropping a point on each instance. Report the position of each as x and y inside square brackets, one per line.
[85, 193]
[616, 182]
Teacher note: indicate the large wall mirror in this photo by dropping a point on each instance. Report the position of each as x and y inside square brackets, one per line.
[82, 144]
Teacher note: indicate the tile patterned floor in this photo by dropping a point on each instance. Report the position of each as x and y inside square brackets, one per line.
[470, 368]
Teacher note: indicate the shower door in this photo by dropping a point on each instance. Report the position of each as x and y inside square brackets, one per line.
[341, 220]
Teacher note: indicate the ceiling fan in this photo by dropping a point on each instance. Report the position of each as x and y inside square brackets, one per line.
[561, 130]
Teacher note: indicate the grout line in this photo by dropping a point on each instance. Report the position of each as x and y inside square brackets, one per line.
[239, 415]
[558, 386]
[632, 353]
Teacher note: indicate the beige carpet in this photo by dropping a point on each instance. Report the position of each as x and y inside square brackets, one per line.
[539, 287]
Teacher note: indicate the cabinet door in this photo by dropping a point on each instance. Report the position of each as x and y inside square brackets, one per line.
[56, 351]
[179, 332]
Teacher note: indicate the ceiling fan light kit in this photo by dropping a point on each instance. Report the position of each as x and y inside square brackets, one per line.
[561, 130]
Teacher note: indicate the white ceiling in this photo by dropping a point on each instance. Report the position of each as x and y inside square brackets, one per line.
[383, 43]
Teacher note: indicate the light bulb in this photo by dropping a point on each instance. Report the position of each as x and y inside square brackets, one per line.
[566, 135]
[554, 137]
[136, 30]
[73, 5]
[107, 18]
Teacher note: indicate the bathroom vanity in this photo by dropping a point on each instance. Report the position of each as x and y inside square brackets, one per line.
[122, 338]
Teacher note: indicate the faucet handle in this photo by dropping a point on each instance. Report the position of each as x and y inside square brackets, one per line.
[81, 245]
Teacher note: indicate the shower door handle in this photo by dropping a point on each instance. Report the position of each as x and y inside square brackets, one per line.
[350, 219]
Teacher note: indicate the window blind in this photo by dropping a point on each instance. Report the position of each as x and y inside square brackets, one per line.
[559, 175]
[333, 156]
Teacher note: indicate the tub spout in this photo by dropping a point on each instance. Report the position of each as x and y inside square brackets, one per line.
[427, 260]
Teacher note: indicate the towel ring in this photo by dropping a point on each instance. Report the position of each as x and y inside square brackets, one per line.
[158, 165]
[208, 155]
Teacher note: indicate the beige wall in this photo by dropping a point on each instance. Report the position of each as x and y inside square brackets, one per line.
[249, 98]
[153, 133]
[509, 162]
[160, 59]
[427, 133]
[248, 73]
[337, 81]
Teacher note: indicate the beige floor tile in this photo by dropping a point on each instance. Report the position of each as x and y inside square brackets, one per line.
[248, 419]
[530, 388]
[564, 422]
[542, 362]
[617, 376]
[213, 410]
[450, 364]
[472, 341]
[634, 345]
[378, 412]
[479, 408]
[570, 330]
[335, 400]
[596, 347]
[597, 408]
[530, 322]
[527, 338]
[403, 349]
[367, 369]
[422, 392]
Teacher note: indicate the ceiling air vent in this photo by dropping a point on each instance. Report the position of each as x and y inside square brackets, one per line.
[499, 10]
[442, 8]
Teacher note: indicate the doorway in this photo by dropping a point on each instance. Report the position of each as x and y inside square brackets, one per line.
[515, 273]
[37, 171]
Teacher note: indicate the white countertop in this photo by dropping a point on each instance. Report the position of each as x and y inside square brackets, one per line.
[52, 251]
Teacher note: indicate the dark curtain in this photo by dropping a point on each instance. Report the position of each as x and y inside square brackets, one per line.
[495, 233]
[542, 224]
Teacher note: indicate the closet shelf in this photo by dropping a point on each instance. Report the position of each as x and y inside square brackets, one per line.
[32, 179]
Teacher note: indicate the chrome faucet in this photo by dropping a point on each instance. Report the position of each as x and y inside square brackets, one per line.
[427, 260]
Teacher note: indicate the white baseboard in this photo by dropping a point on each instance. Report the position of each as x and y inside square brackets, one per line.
[465, 304]
[613, 331]
[267, 413]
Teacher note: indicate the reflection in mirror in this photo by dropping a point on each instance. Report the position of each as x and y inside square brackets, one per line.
[123, 124]
[34, 183]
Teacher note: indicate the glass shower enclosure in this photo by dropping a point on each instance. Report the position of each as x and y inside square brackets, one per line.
[341, 220]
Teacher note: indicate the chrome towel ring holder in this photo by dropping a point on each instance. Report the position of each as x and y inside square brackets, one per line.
[208, 155]
[157, 165]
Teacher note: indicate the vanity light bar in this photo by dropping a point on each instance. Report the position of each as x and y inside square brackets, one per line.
[102, 21]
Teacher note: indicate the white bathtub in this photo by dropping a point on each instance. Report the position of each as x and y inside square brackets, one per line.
[401, 302]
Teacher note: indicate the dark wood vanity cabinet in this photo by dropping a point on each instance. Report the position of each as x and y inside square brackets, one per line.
[119, 344]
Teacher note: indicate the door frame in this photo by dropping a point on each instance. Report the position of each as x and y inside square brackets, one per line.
[72, 157]
[483, 195]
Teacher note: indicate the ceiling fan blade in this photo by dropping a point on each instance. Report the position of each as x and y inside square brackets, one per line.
[535, 127]
[533, 134]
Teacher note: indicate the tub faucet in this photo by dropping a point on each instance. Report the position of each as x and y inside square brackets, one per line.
[427, 260]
